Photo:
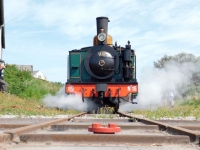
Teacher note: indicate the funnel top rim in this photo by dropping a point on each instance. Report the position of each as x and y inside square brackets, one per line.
[102, 17]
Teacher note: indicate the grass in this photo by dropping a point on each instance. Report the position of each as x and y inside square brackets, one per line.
[104, 112]
[25, 93]
[192, 101]
[13, 105]
[180, 111]
[22, 84]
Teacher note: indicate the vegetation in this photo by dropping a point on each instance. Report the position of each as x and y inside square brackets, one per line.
[105, 110]
[178, 58]
[192, 101]
[14, 105]
[24, 94]
[22, 84]
[190, 104]
[178, 112]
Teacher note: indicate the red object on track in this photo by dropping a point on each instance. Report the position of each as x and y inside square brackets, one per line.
[110, 129]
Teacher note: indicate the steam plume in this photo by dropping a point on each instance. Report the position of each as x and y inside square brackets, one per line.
[154, 83]
[64, 101]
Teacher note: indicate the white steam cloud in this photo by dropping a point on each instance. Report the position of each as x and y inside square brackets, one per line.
[153, 85]
[63, 101]
[155, 82]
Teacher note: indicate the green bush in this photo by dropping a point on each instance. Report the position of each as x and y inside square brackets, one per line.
[192, 101]
[190, 93]
[22, 84]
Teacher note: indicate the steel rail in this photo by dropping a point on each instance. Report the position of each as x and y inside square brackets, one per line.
[70, 138]
[193, 135]
[15, 133]
[11, 126]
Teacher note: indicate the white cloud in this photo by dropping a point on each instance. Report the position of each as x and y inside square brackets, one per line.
[52, 28]
[15, 11]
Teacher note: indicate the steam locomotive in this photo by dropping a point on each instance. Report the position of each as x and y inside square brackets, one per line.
[104, 73]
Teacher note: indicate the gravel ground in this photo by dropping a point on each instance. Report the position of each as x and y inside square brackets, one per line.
[68, 147]
[99, 116]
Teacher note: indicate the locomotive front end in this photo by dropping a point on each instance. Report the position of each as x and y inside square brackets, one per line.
[104, 72]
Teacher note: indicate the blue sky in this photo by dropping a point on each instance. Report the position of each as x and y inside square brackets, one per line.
[41, 32]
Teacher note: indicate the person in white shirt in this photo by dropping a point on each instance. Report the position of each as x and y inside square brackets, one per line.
[170, 96]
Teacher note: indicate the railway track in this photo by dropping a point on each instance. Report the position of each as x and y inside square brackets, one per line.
[171, 129]
[73, 131]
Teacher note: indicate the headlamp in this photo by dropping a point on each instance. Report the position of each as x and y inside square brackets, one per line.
[101, 37]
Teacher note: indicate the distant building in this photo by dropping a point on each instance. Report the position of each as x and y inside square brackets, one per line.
[38, 74]
[25, 67]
